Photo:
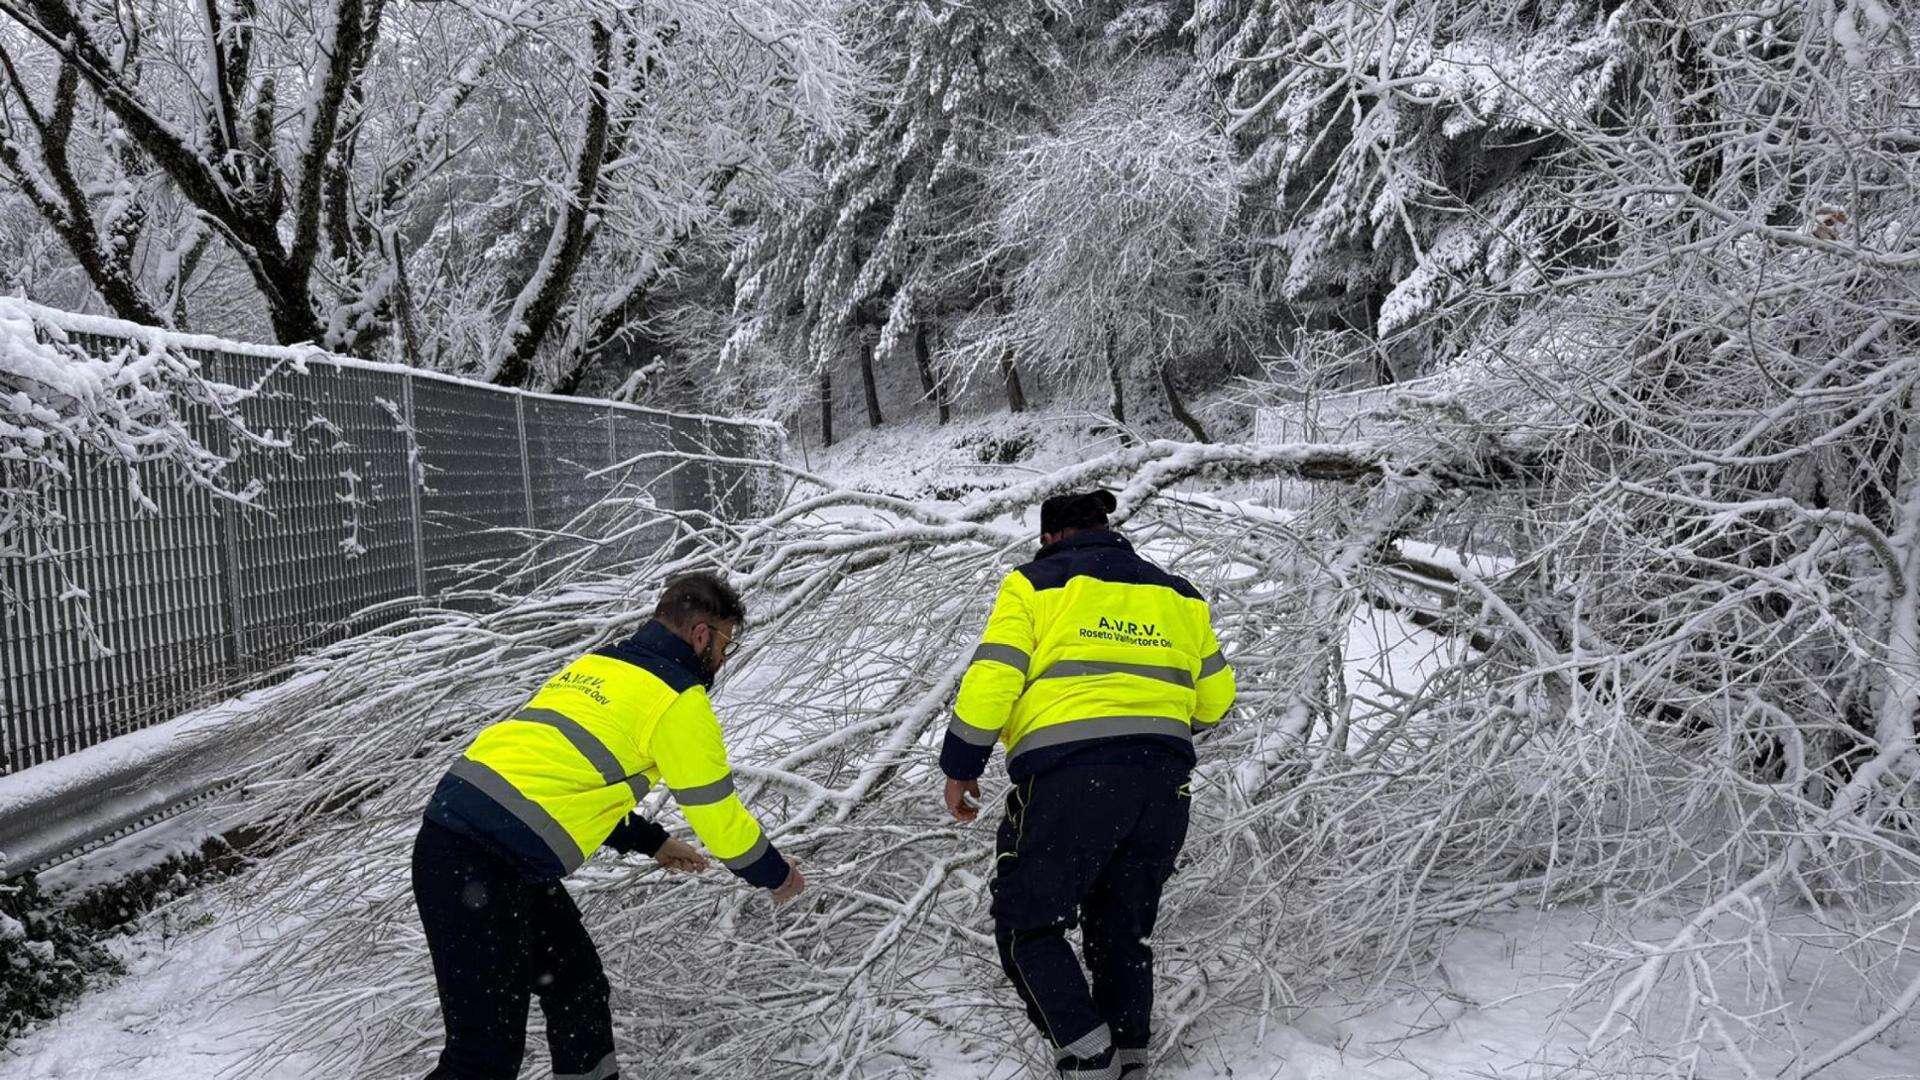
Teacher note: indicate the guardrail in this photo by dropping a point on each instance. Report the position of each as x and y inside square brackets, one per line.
[68, 807]
[400, 484]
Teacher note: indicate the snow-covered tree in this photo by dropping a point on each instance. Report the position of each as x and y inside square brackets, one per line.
[323, 152]
[884, 246]
[1117, 234]
[730, 100]
[193, 99]
[1405, 155]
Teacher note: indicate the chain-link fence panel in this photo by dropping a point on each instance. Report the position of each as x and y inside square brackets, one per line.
[475, 504]
[119, 618]
[567, 442]
[378, 486]
[336, 535]
[640, 480]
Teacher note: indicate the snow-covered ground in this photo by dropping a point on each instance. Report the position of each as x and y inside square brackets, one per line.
[1490, 1006]
[1489, 1011]
[173, 1017]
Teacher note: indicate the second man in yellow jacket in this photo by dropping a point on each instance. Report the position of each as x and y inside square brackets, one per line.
[1095, 671]
[537, 794]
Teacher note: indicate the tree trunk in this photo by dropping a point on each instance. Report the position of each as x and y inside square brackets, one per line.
[1179, 407]
[1016, 397]
[826, 406]
[279, 243]
[874, 419]
[183, 276]
[61, 199]
[356, 25]
[1119, 404]
[403, 303]
[538, 306]
[935, 386]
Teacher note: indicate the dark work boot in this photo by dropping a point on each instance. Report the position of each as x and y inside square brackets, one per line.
[1132, 1061]
[1101, 1066]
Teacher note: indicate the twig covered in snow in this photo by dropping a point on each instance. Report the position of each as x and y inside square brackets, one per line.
[863, 616]
[135, 413]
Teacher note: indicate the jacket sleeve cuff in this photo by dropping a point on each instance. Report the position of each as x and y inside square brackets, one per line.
[769, 871]
[637, 834]
[961, 760]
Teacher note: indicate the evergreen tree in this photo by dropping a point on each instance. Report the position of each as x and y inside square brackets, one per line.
[886, 238]
[1404, 155]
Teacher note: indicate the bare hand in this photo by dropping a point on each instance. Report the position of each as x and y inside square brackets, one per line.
[791, 887]
[963, 799]
[680, 857]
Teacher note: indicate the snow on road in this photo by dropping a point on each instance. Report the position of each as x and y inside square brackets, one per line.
[1487, 1012]
[174, 1016]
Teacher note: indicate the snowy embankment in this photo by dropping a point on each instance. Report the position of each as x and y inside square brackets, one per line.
[1403, 863]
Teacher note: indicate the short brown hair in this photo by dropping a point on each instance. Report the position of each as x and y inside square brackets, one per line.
[690, 598]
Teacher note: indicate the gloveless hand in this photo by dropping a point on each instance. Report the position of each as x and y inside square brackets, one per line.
[791, 887]
[680, 857]
[963, 799]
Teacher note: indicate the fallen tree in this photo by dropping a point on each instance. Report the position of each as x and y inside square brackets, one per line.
[864, 612]
[1339, 837]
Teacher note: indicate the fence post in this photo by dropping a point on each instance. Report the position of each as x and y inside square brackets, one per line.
[526, 470]
[416, 478]
[228, 516]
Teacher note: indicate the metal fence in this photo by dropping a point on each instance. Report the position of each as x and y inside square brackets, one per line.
[398, 485]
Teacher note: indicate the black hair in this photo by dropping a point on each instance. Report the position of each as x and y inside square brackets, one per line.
[692, 598]
[1076, 510]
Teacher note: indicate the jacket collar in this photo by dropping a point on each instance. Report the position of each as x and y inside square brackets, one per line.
[1086, 539]
[655, 638]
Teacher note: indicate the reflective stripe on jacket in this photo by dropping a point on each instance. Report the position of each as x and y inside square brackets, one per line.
[1088, 642]
[550, 784]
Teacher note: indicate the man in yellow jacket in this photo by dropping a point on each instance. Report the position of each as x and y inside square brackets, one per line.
[538, 793]
[1095, 671]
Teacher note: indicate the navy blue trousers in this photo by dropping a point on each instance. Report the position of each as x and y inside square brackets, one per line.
[1090, 845]
[498, 940]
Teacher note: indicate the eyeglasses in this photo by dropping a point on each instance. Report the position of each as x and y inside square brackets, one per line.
[729, 645]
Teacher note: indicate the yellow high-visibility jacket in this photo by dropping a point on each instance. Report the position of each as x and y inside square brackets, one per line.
[1087, 644]
[561, 776]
